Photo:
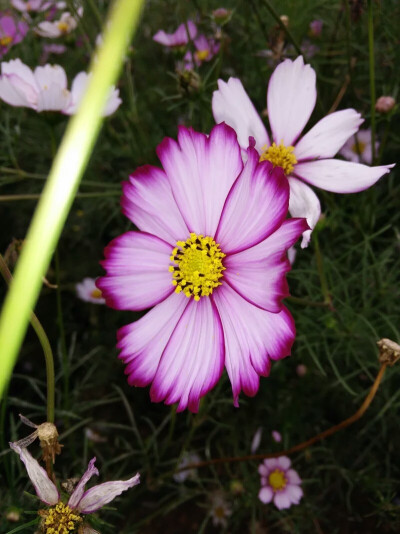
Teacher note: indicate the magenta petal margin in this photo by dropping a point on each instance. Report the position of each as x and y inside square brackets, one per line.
[182, 345]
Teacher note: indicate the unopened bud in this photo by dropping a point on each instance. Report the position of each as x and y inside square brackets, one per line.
[285, 20]
[13, 515]
[222, 15]
[384, 104]
[389, 351]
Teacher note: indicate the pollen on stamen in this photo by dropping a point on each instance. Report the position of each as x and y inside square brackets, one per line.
[280, 156]
[198, 266]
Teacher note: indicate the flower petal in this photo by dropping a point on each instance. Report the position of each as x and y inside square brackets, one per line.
[340, 176]
[265, 494]
[282, 500]
[256, 205]
[137, 271]
[50, 74]
[231, 104]
[284, 462]
[181, 36]
[100, 495]
[252, 338]
[193, 359]
[15, 92]
[293, 477]
[291, 99]
[303, 202]
[44, 487]
[295, 493]
[78, 88]
[201, 171]
[78, 492]
[142, 343]
[258, 273]
[328, 136]
[53, 98]
[148, 202]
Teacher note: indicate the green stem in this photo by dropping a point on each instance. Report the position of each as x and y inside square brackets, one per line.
[44, 341]
[372, 75]
[283, 26]
[60, 321]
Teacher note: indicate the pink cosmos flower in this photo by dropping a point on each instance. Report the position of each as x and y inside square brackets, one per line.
[87, 291]
[185, 33]
[359, 148]
[211, 259]
[11, 33]
[80, 503]
[279, 483]
[206, 49]
[309, 159]
[45, 89]
[315, 28]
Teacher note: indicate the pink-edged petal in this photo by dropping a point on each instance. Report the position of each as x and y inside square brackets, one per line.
[100, 495]
[265, 494]
[44, 487]
[76, 496]
[193, 359]
[282, 500]
[201, 171]
[183, 34]
[291, 99]
[284, 462]
[293, 477]
[328, 136]
[148, 202]
[137, 271]
[142, 343]
[340, 176]
[256, 205]
[258, 273]
[295, 493]
[15, 92]
[303, 202]
[15, 66]
[252, 338]
[231, 104]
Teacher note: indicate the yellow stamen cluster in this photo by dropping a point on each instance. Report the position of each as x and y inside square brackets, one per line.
[280, 156]
[6, 40]
[358, 148]
[202, 55]
[198, 266]
[96, 294]
[277, 480]
[59, 519]
[63, 27]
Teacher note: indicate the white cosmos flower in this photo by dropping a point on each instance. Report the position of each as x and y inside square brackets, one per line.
[56, 28]
[87, 290]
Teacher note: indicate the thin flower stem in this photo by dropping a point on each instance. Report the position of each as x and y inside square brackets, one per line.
[372, 75]
[283, 26]
[44, 341]
[332, 430]
[60, 321]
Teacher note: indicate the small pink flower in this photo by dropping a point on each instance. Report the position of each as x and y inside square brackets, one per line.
[316, 28]
[384, 104]
[11, 33]
[210, 257]
[279, 483]
[87, 291]
[359, 148]
[305, 160]
[185, 33]
[276, 436]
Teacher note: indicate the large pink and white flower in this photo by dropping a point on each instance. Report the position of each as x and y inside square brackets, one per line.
[46, 88]
[180, 37]
[211, 259]
[279, 483]
[291, 98]
[81, 501]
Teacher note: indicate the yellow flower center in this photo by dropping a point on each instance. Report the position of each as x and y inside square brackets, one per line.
[277, 480]
[202, 55]
[280, 156]
[358, 148]
[63, 27]
[6, 40]
[59, 519]
[96, 294]
[219, 512]
[198, 266]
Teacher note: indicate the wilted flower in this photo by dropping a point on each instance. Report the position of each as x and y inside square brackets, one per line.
[291, 99]
[279, 483]
[45, 89]
[384, 104]
[187, 458]
[315, 28]
[276, 436]
[48, 437]
[60, 515]
[359, 148]
[220, 510]
[56, 28]
[87, 290]
[211, 258]
[185, 33]
[11, 33]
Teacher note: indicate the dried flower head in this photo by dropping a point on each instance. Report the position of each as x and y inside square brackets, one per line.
[389, 351]
[47, 435]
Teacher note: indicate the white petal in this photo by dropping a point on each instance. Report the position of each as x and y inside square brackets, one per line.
[76, 496]
[78, 88]
[231, 104]
[47, 29]
[53, 98]
[44, 487]
[12, 91]
[290, 99]
[50, 74]
[15, 66]
[102, 494]
[328, 136]
[303, 202]
[340, 176]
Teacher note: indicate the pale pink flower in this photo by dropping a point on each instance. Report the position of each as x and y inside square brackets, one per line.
[185, 33]
[309, 159]
[384, 104]
[359, 148]
[26, 6]
[46, 88]
[52, 49]
[11, 32]
[279, 483]
[276, 436]
[187, 458]
[56, 28]
[220, 510]
[87, 291]
[205, 51]
[210, 257]
[81, 502]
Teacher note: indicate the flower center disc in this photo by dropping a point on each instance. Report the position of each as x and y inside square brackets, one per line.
[63, 27]
[280, 156]
[277, 480]
[198, 266]
[201, 55]
[96, 294]
[358, 148]
[4, 41]
[59, 519]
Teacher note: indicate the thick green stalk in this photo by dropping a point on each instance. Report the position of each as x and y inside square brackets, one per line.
[62, 184]
[372, 74]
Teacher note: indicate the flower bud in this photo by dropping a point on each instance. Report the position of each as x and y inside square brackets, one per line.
[389, 351]
[384, 104]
